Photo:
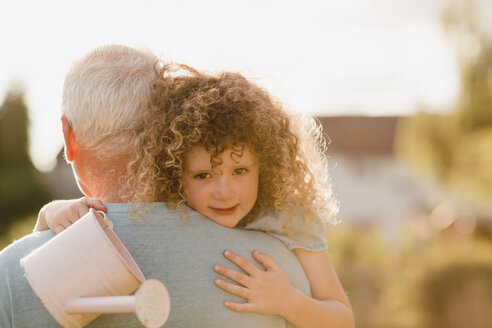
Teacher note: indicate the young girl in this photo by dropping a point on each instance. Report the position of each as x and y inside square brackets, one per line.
[229, 151]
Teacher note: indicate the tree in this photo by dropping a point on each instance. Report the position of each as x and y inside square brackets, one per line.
[20, 191]
[456, 149]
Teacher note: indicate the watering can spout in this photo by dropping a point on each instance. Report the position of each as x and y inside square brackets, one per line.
[151, 304]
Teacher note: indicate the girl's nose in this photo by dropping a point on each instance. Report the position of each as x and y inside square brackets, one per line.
[223, 190]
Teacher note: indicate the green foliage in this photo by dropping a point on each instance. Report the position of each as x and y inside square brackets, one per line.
[356, 255]
[455, 149]
[13, 133]
[428, 142]
[20, 191]
[474, 110]
[20, 227]
[459, 295]
[472, 170]
[416, 283]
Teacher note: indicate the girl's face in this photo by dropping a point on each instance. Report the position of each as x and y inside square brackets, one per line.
[226, 193]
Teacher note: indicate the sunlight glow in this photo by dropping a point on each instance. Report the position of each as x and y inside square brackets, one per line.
[371, 57]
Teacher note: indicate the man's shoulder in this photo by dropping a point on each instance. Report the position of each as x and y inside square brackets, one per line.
[19, 248]
[159, 218]
[182, 252]
[162, 227]
[18, 304]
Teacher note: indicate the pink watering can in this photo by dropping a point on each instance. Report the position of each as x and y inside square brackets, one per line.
[86, 270]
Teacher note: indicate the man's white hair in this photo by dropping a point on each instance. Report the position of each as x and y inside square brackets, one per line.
[105, 93]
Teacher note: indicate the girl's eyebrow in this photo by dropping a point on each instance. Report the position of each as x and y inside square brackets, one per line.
[196, 170]
[245, 163]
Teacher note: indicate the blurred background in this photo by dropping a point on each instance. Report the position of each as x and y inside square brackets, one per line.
[402, 88]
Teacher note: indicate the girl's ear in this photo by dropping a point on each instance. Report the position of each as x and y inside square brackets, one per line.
[69, 137]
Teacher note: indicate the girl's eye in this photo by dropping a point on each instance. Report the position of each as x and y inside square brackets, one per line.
[202, 176]
[240, 171]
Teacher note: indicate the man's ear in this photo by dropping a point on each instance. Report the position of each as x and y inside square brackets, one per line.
[69, 137]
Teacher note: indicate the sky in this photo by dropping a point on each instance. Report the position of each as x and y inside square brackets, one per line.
[352, 57]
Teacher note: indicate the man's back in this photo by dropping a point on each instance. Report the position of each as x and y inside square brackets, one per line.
[179, 253]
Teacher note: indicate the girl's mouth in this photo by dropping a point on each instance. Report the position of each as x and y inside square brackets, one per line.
[225, 211]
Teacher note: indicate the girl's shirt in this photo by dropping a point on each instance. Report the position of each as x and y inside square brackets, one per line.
[294, 234]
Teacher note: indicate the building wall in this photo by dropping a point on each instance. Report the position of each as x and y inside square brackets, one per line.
[376, 190]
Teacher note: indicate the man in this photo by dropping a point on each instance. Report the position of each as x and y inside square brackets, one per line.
[104, 95]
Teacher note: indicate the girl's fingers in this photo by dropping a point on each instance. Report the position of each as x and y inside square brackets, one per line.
[265, 260]
[232, 288]
[240, 307]
[58, 228]
[80, 209]
[74, 219]
[232, 274]
[94, 203]
[241, 262]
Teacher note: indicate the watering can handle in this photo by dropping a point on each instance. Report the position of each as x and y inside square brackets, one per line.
[103, 220]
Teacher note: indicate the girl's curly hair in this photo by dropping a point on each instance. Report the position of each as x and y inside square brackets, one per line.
[191, 108]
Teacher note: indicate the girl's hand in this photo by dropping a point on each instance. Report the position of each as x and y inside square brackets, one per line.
[61, 214]
[267, 292]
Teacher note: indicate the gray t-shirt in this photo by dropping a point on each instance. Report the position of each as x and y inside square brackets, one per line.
[292, 231]
[179, 253]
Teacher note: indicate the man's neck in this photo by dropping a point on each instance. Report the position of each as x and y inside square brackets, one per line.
[110, 196]
[103, 179]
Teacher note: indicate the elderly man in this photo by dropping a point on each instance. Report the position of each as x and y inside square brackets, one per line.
[104, 96]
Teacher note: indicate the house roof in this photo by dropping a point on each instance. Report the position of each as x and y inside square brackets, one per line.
[360, 135]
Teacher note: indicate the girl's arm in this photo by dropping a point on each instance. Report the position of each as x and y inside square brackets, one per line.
[60, 214]
[269, 291]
